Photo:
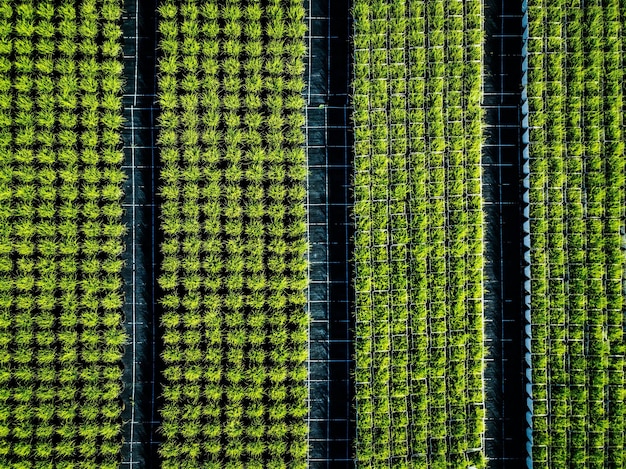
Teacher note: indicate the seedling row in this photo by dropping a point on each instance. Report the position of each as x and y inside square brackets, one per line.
[235, 326]
[61, 334]
[575, 96]
[419, 229]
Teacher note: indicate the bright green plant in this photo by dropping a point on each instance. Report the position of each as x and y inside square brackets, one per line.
[233, 271]
[62, 249]
[575, 97]
[418, 239]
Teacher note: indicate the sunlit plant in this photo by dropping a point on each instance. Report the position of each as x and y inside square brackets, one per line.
[233, 270]
[419, 343]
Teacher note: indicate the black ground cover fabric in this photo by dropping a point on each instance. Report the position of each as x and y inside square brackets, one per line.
[141, 165]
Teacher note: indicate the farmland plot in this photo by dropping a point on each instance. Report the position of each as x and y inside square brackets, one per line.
[235, 327]
[418, 241]
[575, 96]
[60, 234]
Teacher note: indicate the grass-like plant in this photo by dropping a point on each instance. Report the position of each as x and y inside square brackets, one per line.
[419, 339]
[60, 258]
[575, 98]
[233, 271]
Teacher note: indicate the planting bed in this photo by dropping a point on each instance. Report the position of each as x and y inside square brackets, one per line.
[419, 233]
[233, 271]
[577, 189]
[61, 334]
[328, 152]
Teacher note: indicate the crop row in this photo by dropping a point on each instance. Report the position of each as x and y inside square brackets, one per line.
[233, 271]
[418, 241]
[61, 331]
[575, 93]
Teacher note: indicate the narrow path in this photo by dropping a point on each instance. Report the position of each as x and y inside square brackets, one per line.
[504, 380]
[141, 355]
[329, 150]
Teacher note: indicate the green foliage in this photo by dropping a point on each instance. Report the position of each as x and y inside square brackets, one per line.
[61, 333]
[577, 192]
[418, 238]
[233, 213]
